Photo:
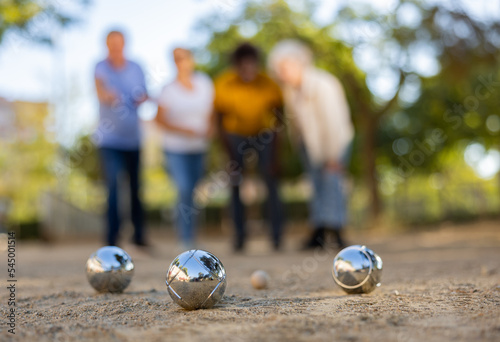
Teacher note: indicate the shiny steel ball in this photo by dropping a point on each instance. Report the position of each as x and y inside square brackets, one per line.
[196, 279]
[357, 269]
[110, 269]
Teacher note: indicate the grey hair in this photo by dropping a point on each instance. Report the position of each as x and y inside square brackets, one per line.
[289, 49]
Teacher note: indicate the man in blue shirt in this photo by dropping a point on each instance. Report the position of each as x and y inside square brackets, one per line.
[121, 88]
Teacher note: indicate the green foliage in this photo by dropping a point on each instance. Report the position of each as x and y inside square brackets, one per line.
[84, 157]
[17, 13]
[272, 21]
[34, 19]
[391, 132]
[457, 101]
[26, 161]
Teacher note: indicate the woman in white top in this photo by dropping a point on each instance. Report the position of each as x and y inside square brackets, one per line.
[319, 115]
[184, 115]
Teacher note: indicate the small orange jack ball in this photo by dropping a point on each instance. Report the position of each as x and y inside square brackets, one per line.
[259, 279]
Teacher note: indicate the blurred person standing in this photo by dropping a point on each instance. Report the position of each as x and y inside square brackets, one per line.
[320, 118]
[185, 109]
[246, 103]
[121, 88]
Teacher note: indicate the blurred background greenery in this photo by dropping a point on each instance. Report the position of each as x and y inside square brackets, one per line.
[423, 85]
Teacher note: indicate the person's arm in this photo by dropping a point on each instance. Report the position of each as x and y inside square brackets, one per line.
[212, 125]
[279, 132]
[221, 133]
[141, 99]
[162, 121]
[218, 115]
[104, 95]
[279, 124]
[141, 95]
[278, 128]
[337, 126]
[212, 118]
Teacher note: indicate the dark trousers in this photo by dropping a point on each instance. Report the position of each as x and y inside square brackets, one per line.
[242, 149]
[115, 163]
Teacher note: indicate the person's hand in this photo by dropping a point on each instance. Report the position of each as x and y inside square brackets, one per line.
[109, 98]
[333, 166]
[140, 100]
[209, 134]
[191, 133]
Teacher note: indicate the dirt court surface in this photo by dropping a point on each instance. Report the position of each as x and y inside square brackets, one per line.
[439, 285]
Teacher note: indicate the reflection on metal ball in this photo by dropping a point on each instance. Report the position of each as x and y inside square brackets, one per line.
[110, 269]
[357, 269]
[196, 279]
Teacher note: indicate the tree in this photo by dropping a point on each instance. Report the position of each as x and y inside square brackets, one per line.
[265, 23]
[397, 41]
[33, 19]
[27, 155]
[410, 131]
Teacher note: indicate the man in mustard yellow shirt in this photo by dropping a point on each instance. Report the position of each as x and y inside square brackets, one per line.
[248, 104]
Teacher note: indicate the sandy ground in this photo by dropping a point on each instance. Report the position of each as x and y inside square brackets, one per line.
[439, 285]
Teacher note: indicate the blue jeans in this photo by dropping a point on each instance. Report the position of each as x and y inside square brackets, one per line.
[186, 169]
[243, 149]
[328, 207]
[115, 163]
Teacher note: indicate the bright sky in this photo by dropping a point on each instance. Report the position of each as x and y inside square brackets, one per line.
[64, 75]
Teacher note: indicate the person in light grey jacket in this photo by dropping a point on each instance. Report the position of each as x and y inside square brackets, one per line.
[320, 121]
